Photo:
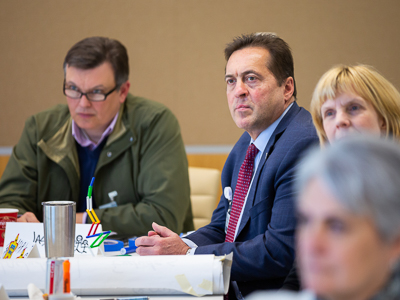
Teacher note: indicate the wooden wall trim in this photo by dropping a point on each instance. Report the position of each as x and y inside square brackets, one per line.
[3, 163]
[215, 161]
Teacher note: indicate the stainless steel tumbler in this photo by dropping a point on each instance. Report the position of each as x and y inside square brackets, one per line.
[59, 228]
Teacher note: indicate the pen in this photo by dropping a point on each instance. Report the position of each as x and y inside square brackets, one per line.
[90, 188]
[128, 250]
[66, 265]
[89, 196]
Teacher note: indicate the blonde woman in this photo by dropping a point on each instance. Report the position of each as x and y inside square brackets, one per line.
[355, 99]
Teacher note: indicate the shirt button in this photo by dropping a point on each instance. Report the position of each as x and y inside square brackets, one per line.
[109, 154]
[131, 139]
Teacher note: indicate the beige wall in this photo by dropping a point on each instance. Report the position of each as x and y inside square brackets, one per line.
[176, 50]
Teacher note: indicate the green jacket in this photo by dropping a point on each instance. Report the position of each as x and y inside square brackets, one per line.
[144, 160]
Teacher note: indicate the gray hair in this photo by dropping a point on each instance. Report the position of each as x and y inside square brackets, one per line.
[363, 173]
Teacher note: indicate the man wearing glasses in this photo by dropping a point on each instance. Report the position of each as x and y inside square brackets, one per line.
[132, 146]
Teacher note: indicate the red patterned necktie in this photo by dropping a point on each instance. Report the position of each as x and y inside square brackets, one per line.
[242, 186]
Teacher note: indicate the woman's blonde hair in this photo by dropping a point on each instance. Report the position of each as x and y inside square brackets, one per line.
[365, 82]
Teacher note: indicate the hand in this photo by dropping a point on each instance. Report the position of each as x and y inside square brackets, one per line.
[151, 233]
[28, 217]
[79, 217]
[161, 241]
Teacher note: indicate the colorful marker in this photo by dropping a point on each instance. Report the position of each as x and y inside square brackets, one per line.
[66, 267]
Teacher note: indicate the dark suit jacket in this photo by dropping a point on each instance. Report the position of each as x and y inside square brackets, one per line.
[263, 251]
[292, 281]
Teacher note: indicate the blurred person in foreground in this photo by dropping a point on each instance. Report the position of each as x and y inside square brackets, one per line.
[132, 146]
[348, 234]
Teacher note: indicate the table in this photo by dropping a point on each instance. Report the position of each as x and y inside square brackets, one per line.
[155, 297]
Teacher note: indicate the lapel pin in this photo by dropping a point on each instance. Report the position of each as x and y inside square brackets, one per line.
[228, 192]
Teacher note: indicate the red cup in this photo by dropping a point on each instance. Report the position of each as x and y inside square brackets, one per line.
[6, 215]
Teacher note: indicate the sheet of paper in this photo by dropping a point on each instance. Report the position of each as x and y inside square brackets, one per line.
[127, 275]
[20, 238]
[3, 294]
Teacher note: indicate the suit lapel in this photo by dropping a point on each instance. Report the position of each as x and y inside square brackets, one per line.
[280, 129]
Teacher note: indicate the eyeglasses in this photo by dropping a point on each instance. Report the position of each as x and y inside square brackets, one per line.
[94, 96]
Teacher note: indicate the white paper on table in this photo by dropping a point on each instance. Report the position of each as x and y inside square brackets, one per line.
[31, 234]
[126, 275]
[3, 294]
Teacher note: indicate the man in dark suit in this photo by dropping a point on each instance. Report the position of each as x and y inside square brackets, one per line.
[261, 94]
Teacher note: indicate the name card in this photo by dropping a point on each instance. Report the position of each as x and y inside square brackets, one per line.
[21, 238]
